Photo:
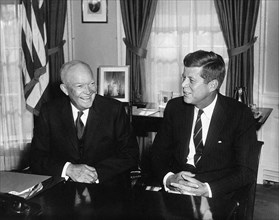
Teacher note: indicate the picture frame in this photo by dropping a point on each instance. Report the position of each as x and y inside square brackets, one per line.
[114, 82]
[164, 97]
[94, 11]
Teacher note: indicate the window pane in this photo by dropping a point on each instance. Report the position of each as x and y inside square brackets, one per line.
[179, 27]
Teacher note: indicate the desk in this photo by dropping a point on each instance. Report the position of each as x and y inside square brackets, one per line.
[152, 123]
[265, 112]
[62, 202]
[143, 124]
[70, 200]
[106, 202]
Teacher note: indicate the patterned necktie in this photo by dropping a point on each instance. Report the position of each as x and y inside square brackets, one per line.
[79, 125]
[198, 138]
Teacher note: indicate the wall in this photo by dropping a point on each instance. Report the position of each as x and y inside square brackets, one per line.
[95, 43]
[266, 87]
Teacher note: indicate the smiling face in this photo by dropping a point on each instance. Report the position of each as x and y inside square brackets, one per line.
[79, 85]
[195, 90]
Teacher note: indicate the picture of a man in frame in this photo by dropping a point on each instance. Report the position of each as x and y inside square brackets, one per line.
[94, 6]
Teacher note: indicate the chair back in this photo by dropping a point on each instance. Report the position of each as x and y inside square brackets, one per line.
[245, 198]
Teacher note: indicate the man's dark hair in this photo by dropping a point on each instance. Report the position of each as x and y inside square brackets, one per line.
[213, 65]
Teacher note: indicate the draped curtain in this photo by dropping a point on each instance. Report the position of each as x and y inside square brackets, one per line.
[238, 22]
[16, 123]
[137, 18]
[179, 27]
[56, 15]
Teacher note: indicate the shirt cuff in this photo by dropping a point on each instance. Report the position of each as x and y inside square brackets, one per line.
[64, 171]
[165, 181]
[209, 190]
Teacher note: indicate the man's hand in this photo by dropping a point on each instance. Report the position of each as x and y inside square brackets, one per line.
[82, 173]
[185, 183]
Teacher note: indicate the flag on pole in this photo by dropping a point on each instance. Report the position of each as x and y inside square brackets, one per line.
[35, 59]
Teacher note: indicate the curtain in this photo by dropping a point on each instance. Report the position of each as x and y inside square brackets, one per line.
[16, 122]
[238, 22]
[179, 27]
[56, 15]
[137, 18]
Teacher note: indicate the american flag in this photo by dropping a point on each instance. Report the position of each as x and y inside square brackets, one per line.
[35, 58]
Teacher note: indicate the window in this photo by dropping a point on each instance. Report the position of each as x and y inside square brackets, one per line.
[179, 27]
[16, 122]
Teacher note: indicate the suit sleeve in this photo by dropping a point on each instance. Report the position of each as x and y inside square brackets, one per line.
[243, 143]
[163, 147]
[42, 160]
[126, 146]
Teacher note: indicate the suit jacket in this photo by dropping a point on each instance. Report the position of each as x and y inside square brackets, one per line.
[226, 163]
[109, 142]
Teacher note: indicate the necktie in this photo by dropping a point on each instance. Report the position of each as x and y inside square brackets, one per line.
[79, 125]
[198, 138]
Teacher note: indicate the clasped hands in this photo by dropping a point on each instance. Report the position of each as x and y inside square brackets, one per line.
[185, 183]
[82, 173]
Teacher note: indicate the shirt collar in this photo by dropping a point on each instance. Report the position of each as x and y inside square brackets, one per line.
[208, 110]
[75, 112]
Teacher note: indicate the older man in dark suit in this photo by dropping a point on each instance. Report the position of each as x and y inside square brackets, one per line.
[203, 147]
[83, 136]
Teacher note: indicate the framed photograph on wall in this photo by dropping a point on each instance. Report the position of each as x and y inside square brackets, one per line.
[94, 11]
[114, 82]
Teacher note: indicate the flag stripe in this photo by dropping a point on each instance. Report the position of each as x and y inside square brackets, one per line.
[38, 41]
[35, 60]
[27, 43]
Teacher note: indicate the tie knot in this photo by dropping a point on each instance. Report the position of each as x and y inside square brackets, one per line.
[80, 113]
[200, 112]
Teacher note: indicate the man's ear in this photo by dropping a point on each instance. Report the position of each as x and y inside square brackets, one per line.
[213, 85]
[64, 89]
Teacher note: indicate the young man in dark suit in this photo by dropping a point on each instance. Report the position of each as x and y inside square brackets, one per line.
[210, 157]
[83, 136]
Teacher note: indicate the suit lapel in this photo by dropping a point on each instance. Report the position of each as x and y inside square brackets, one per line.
[93, 122]
[217, 123]
[187, 118]
[68, 124]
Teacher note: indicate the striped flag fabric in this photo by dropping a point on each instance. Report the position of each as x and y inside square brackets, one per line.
[35, 58]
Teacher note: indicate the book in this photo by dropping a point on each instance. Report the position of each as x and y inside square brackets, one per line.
[21, 184]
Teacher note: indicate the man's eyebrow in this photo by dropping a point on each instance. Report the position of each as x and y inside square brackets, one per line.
[76, 84]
